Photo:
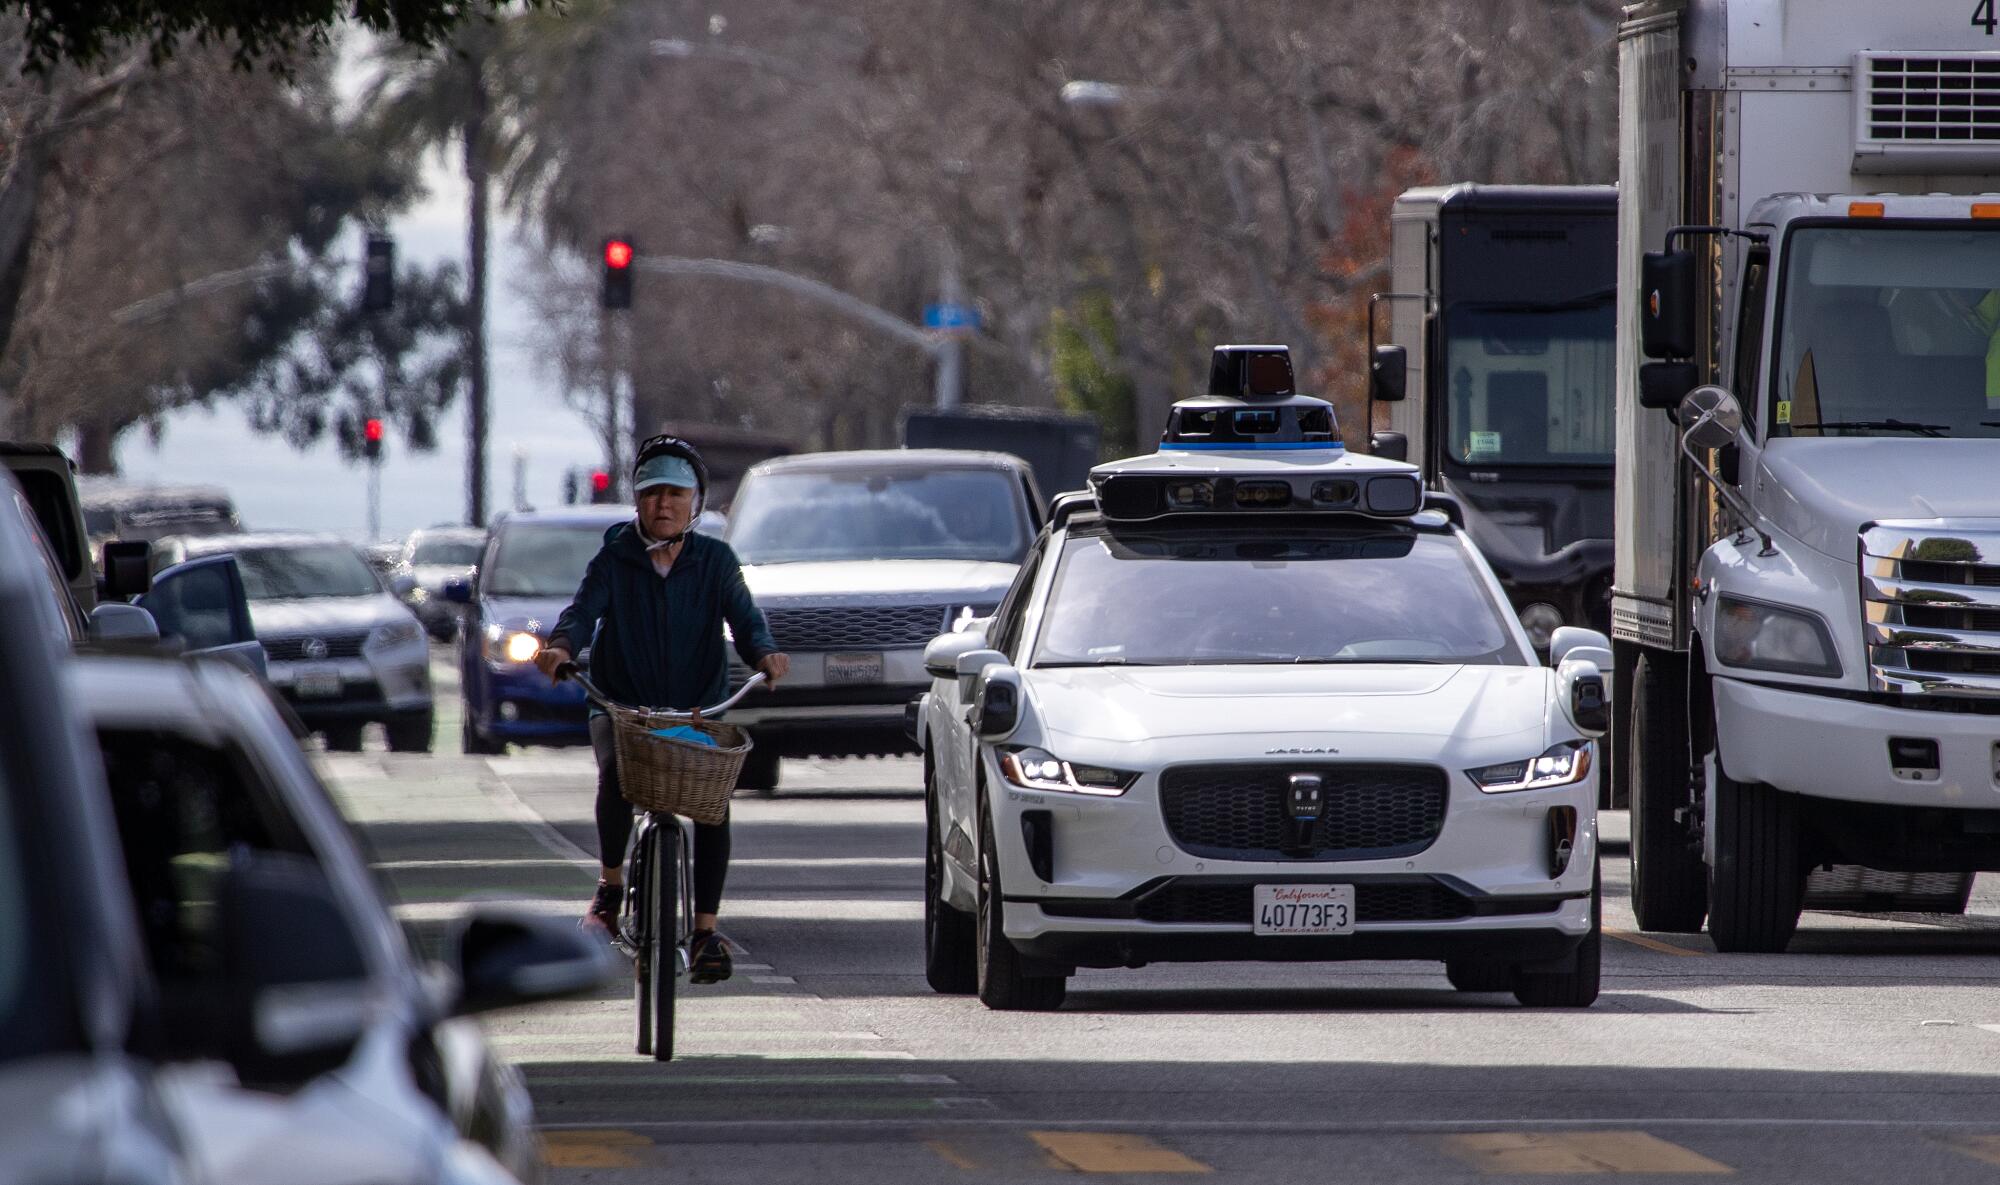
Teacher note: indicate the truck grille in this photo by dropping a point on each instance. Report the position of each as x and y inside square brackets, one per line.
[859, 627]
[1930, 596]
[340, 645]
[1239, 812]
[1931, 99]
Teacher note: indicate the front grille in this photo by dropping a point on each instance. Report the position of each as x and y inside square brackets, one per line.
[338, 645]
[1931, 608]
[1239, 812]
[1951, 99]
[1400, 901]
[858, 627]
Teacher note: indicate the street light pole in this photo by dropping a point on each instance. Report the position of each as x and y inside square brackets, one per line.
[950, 351]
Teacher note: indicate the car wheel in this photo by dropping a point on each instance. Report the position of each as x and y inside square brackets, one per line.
[760, 769]
[1757, 885]
[951, 958]
[475, 743]
[343, 738]
[1002, 984]
[1576, 987]
[1669, 885]
[411, 734]
[1479, 975]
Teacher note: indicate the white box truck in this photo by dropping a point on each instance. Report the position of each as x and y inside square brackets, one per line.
[1806, 598]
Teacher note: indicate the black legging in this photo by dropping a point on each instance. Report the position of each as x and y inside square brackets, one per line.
[614, 826]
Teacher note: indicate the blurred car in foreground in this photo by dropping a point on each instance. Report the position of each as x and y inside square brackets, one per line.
[527, 575]
[431, 557]
[859, 559]
[342, 649]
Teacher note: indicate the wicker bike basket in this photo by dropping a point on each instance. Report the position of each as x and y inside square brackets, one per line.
[672, 775]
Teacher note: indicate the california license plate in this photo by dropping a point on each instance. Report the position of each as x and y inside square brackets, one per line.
[848, 669]
[316, 683]
[1303, 909]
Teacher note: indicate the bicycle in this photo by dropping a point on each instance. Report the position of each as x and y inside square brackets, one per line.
[665, 777]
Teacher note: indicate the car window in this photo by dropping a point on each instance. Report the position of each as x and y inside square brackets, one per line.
[460, 553]
[1006, 632]
[861, 514]
[541, 559]
[50, 569]
[196, 605]
[49, 494]
[1315, 595]
[305, 570]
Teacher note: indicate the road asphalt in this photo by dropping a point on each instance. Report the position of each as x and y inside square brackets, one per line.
[1866, 1054]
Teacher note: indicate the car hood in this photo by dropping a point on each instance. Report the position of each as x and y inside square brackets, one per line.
[1128, 704]
[59, 1114]
[536, 614]
[927, 580]
[1821, 492]
[308, 615]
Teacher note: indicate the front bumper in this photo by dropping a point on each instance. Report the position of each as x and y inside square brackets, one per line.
[809, 716]
[394, 682]
[1824, 746]
[518, 703]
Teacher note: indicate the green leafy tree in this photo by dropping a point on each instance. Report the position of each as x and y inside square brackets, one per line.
[1089, 377]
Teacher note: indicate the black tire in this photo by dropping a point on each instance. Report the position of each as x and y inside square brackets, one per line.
[951, 954]
[1479, 975]
[639, 888]
[1669, 883]
[760, 768]
[476, 743]
[1577, 987]
[343, 738]
[411, 734]
[663, 939]
[1757, 886]
[1002, 985]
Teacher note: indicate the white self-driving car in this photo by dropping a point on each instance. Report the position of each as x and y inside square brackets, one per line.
[1249, 700]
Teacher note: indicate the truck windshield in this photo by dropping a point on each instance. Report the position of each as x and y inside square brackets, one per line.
[876, 514]
[1530, 385]
[1309, 596]
[1889, 331]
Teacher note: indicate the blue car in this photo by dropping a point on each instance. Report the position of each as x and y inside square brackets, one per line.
[530, 569]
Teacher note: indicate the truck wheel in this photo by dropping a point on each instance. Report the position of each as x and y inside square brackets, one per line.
[343, 738]
[1669, 885]
[1577, 987]
[1002, 985]
[760, 769]
[951, 956]
[1479, 975]
[1757, 886]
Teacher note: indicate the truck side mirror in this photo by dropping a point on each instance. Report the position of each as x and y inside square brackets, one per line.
[1666, 304]
[1662, 385]
[1392, 446]
[1388, 373]
[1711, 418]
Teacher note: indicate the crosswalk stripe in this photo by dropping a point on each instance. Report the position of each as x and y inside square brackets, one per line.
[1113, 1152]
[1536, 1153]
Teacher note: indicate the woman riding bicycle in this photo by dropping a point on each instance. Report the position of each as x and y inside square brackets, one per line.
[651, 610]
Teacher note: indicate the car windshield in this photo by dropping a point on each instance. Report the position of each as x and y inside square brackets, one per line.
[1889, 331]
[1530, 386]
[306, 570]
[1308, 596]
[454, 553]
[874, 514]
[541, 559]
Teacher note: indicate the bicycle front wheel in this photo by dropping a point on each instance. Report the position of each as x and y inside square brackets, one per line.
[663, 940]
[639, 923]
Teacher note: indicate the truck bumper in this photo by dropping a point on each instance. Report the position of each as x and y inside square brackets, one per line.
[1826, 747]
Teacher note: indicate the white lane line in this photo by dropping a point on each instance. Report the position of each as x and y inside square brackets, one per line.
[1991, 1028]
[708, 1127]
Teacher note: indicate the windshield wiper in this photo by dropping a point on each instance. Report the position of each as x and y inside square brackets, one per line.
[1880, 425]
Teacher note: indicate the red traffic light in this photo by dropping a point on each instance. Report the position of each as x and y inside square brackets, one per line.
[617, 254]
[372, 431]
[600, 481]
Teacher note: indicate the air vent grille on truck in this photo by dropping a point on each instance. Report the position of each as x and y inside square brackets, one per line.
[1928, 113]
[1931, 607]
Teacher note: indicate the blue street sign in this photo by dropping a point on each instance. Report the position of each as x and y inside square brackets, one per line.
[951, 316]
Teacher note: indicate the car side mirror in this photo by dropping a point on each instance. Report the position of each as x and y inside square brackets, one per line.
[505, 958]
[1568, 639]
[998, 703]
[1589, 702]
[402, 584]
[1388, 373]
[941, 655]
[128, 569]
[114, 621]
[458, 590]
[970, 664]
[1666, 304]
[1390, 446]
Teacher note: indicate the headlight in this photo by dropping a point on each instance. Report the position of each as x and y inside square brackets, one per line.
[1038, 769]
[1541, 621]
[396, 633]
[521, 648]
[1761, 637]
[1562, 765]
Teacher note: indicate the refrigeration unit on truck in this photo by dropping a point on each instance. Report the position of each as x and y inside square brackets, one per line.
[1502, 324]
[1807, 593]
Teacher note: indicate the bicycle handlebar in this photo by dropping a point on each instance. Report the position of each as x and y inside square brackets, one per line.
[574, 673]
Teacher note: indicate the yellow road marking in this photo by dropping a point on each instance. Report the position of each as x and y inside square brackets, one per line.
[1986, 1148]
[951, 1154]
[1665, 948]
[606, 1149]
[1112, 1152]
[1577, 1152]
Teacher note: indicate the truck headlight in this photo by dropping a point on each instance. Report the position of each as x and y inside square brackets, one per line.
[1559, 765]
[1038, 769]
[1763, 637]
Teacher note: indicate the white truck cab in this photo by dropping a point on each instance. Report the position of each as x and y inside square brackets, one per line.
[1806, 602]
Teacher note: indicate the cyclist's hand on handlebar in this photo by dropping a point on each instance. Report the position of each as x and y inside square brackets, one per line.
[775, 667]
[550, 661]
